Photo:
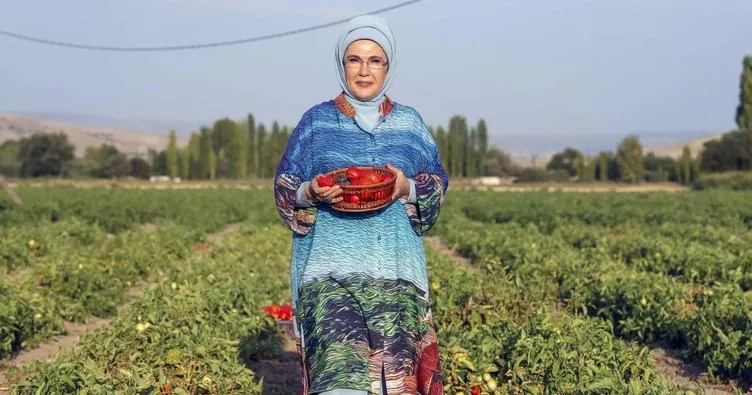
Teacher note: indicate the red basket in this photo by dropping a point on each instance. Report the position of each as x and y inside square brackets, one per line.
[368, 197]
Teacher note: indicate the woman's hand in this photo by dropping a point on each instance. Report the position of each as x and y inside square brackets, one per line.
[401, 185]
[316, 193]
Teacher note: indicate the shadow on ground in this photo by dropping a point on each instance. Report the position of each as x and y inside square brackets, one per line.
[272, 356]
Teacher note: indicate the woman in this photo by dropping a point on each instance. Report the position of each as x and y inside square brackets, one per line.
[359, 281]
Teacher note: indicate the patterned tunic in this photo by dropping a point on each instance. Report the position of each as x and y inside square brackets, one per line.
[359, 282]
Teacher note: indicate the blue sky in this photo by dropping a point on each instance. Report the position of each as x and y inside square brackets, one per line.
[527, 67]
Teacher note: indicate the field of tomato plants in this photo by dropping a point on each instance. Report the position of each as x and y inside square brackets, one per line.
[673, 270]
[562, 292]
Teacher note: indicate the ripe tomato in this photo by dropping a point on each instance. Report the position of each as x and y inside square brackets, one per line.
[353, 174]
[326, 181]
[365, 196]
[352, 199]
[370, 178]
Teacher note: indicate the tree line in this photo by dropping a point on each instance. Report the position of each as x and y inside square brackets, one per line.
[226, 149]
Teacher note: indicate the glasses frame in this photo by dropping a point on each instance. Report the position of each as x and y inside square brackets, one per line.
[367, 61]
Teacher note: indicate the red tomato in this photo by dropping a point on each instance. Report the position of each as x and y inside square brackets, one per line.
[370, 178]
[326, 181]
[365, 196]
[353, 173]
[352, 199]
[476, 390]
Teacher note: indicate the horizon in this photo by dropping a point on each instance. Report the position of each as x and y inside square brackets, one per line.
[678, 64]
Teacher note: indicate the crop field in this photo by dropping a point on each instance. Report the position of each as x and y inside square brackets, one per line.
[145, 291]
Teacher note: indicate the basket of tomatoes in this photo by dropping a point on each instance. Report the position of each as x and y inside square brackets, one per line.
[364, 188]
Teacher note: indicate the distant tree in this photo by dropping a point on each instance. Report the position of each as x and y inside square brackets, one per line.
[567, 160]
[184, 156]
[744, 110]
[263, 154]
[687, 168]
[586, 168]
[252, 153]
[44, 154]
[222, 165]
[158, 162]
[602, 166]
[106, 161]
[472, 154]
[172, 156]
[9, 164]
[212, 164]
[205, 147]
[223, 132]
[442, 143]
[533, 174]
[499, 164]
[630, 159]
[659, 168]
[458, 136]
[139, 168]
[238, 152]
[733, 151]
[194, 157]
[482, 146]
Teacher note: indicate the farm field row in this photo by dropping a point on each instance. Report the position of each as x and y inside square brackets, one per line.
[544, 307]
[199, 326]
[118, 209]
[61, 263]
[689, 292]
[193, 330]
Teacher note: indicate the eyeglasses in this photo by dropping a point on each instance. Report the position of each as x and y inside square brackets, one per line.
[374, 62]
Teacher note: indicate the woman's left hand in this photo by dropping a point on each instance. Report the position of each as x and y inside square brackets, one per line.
[401, 185]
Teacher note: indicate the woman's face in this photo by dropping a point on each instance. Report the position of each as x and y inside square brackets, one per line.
[365, 68]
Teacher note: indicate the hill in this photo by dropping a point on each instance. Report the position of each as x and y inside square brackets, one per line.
[538, 150]
[675, 150]
[133, 142]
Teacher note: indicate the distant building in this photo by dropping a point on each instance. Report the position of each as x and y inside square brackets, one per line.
[494, 181]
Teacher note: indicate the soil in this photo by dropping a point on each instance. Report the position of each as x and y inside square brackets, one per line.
[281, 376]
[437, 244]
[688, 375]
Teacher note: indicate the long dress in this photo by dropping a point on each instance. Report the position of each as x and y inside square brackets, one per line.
[359, 282]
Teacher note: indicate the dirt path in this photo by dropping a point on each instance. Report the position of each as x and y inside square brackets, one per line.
[685, 374]
[668, 363]
[47, 350]
[437, 244]
[281, 376]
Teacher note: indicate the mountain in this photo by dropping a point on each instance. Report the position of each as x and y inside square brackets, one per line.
[133, 142]
[149, 126]
[537, 150]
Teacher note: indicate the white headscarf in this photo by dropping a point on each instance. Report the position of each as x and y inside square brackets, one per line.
[369, 27]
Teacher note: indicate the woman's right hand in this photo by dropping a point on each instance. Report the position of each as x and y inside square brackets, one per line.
[316, 193]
